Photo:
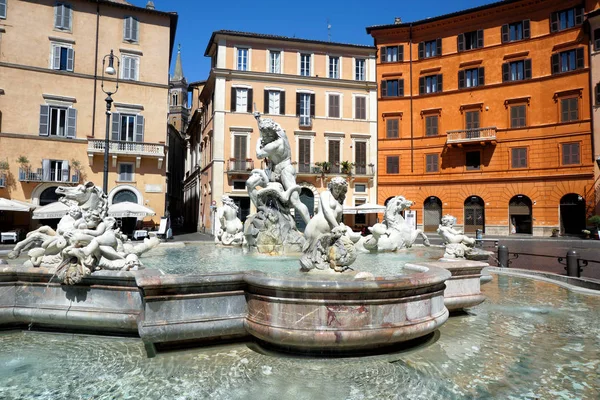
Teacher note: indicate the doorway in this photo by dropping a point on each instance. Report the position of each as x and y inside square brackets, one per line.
[474, 214]
[432, 214]
[572, 214]
[519, 213]
[243, 204]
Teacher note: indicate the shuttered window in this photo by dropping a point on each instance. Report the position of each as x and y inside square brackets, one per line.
[431, 125]
[430, 84]
[391, 128]
[391, 54]
[392, 88]
[274, 101]
[566, 19]
[470, 40]
[334, 106]
[131, 27]
[472, 120]
[360, 158]
[360, 107]
[274, 62]
[57, 121]
[240, 150]
[519, 157]
[241, 99]
[63, 15]
[127, 127]
[334, 156]
[569, 109]
[304, 155]
[566, 61]
[2, 8]
[431, 163]
[518, 116]
[392, 164]
[516, 70]
[125, 172]
[516, 31]
[130, 68]
[471, 78]
[63, 57]
[596, 39]
[570, 153]
[597, 92]
[431, 48]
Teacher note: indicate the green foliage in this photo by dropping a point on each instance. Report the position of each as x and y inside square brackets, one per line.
[24, 161]
[347, 167]
[4, 165]
[595, 220]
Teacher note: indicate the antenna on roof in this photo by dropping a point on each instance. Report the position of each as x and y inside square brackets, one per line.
[328, 30]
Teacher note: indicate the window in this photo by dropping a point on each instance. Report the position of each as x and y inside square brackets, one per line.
[240, 152]
[430, 48]
[431, 163]
[391, 54]
[127, 127]
[597, 92]
[430, 84]
[473, 160]
[470, 40]
[63, 57]
[131, 27]
[471, 120]
[304, 154]
[519, 157]
[360, 158]
[274, 102]
[596, 39]
[517, 116]
[360, 188]
[241, 100]
[391, 128]
[334, 67]
[2, 8]
[570, 153]
[471, 78]
[125, 172]
[305, 65]
[392, 165]
[57, 121]
[516, 70]
[130, 69]
[334, 156]
[360, 107]
[360, 65]
[305, 108]
[516, 31]
[242, 59]
[565, 19]
[239, 185]
[62, 16]
[392, 88]
[569, 109]
[275, 62]
[334, 106]
[566, 61]
[431, 125]
[58, 170]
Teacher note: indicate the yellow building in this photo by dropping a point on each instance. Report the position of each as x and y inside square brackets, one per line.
[52, 108]
[324, 96]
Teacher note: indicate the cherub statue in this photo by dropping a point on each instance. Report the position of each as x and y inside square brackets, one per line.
[457, 243]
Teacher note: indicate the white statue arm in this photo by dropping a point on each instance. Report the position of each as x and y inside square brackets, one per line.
[264, 151]
[328, 213]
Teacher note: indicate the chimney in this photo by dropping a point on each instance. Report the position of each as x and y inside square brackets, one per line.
[397, 20]
[150, 5]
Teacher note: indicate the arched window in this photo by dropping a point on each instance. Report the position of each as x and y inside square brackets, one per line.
[124, 195]
[432, 213]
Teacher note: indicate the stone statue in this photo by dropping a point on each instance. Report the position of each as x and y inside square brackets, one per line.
[401, 233]
[85, 239]
[231, 232]
[458, 245]
[273, 228]
[327, 242]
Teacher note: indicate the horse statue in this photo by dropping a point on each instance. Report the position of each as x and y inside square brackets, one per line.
[231, 232]
[399, 234]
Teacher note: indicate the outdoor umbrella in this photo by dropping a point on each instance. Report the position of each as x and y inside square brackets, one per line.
[366, 208]
[51, 211]
[128, 209]
[11, 205]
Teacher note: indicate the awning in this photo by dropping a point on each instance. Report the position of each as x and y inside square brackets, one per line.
[128, 209]
[51, 211]
[12, 205]
[366, 208]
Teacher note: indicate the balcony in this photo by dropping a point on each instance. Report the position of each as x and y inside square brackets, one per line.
[122, 148]
[236, 166]
[481, 136]
[335, 169]
[38, 175]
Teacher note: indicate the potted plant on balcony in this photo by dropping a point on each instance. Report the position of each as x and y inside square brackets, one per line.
[325, 166]
[249, 164]
[24, 167]
[595, 221]
[346, 167]
[76, 165]
[4, 165]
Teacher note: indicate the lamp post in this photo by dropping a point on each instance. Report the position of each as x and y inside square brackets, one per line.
[110, 70]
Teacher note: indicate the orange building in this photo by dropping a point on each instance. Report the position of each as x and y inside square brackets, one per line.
[485, 114]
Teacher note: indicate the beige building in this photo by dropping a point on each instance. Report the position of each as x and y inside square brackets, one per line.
[593, 19]
[323, 94]
[52, 107]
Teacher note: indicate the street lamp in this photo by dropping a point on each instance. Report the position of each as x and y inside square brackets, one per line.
[110, 70]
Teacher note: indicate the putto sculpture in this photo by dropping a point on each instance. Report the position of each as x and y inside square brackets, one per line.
[231, 232]
[328, 246]
[86, 239]
[273, 191]
[458, 245]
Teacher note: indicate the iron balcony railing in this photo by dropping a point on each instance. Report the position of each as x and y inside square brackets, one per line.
[38, 175]
[128, 148]
[471, 135]
[305, 121]
[318, 168]
[236, 165]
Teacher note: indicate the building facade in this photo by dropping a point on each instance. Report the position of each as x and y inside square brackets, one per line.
[324, 96]
[485, 114]
[52, 106]
[593, 21]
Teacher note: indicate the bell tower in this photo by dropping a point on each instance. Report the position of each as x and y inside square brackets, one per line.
[178, 97]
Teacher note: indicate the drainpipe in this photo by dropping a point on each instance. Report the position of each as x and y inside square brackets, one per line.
[412, 150]
[95, 67]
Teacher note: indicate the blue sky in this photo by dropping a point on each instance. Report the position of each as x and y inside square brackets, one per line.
[305, 19]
